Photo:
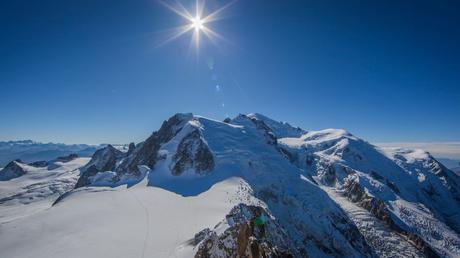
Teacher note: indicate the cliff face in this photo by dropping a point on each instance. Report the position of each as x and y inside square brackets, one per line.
[104, 159]
[192, 153]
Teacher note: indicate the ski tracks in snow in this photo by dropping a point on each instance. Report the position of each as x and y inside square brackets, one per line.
[147, 220]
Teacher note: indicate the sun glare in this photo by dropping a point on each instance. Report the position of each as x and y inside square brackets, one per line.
[196, 22]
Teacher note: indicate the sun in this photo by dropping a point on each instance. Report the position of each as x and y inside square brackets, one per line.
[196, 23]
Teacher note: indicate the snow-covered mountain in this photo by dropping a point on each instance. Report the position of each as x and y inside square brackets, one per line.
[246, 187]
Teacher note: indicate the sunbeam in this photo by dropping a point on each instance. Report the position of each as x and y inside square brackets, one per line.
[197, 24]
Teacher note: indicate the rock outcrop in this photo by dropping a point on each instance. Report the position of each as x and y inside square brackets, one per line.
[67, 158]
[355, 192]
[251, 232]
[104, 159]
[120, 164]
[146, 153]
[39, 164]
[192, 153]
[131, 148]
[14, 169]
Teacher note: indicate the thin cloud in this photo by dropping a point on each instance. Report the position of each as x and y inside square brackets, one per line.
[438, 149]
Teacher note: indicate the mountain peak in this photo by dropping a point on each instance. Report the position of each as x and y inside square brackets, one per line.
[14, 169]
[279, 129]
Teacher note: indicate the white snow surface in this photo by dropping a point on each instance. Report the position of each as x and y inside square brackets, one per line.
[121, 222]
[280, 129]
[37, 189]
[421, 196]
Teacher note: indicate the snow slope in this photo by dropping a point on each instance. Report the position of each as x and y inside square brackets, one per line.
[280, 129]
[37, 189]
[408, 189]
[121, 222]
[379, 236]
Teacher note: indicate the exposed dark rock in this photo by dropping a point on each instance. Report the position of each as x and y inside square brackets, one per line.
[252, 233]
[279, 129]
[67, 158]
[39, 164]
[356, 193]
[381, 179]
[104, 159]
[269, 135]
[392, 185]
[200, 236]
[376, 176]
[309, 159]
[227, 120]
[330, 176]
[352, 234]
[260, 125]
[192, 152]
[287, 154]
[61, 197]
[131, 148]
[12, 170]
[146, 153]
[84, 179]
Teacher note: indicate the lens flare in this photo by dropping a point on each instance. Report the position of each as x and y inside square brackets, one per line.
[196, 23]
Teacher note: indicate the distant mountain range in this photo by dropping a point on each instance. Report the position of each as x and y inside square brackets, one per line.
[31, 151]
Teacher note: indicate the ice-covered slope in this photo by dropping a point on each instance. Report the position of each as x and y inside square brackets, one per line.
[37, 188]
[280, 129]
[120, 222]
[249, 186]
[407, 189]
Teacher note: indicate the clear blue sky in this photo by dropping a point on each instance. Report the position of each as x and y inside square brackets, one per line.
[91, 71]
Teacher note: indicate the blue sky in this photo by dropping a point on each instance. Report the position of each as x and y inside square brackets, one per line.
[95, 71]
